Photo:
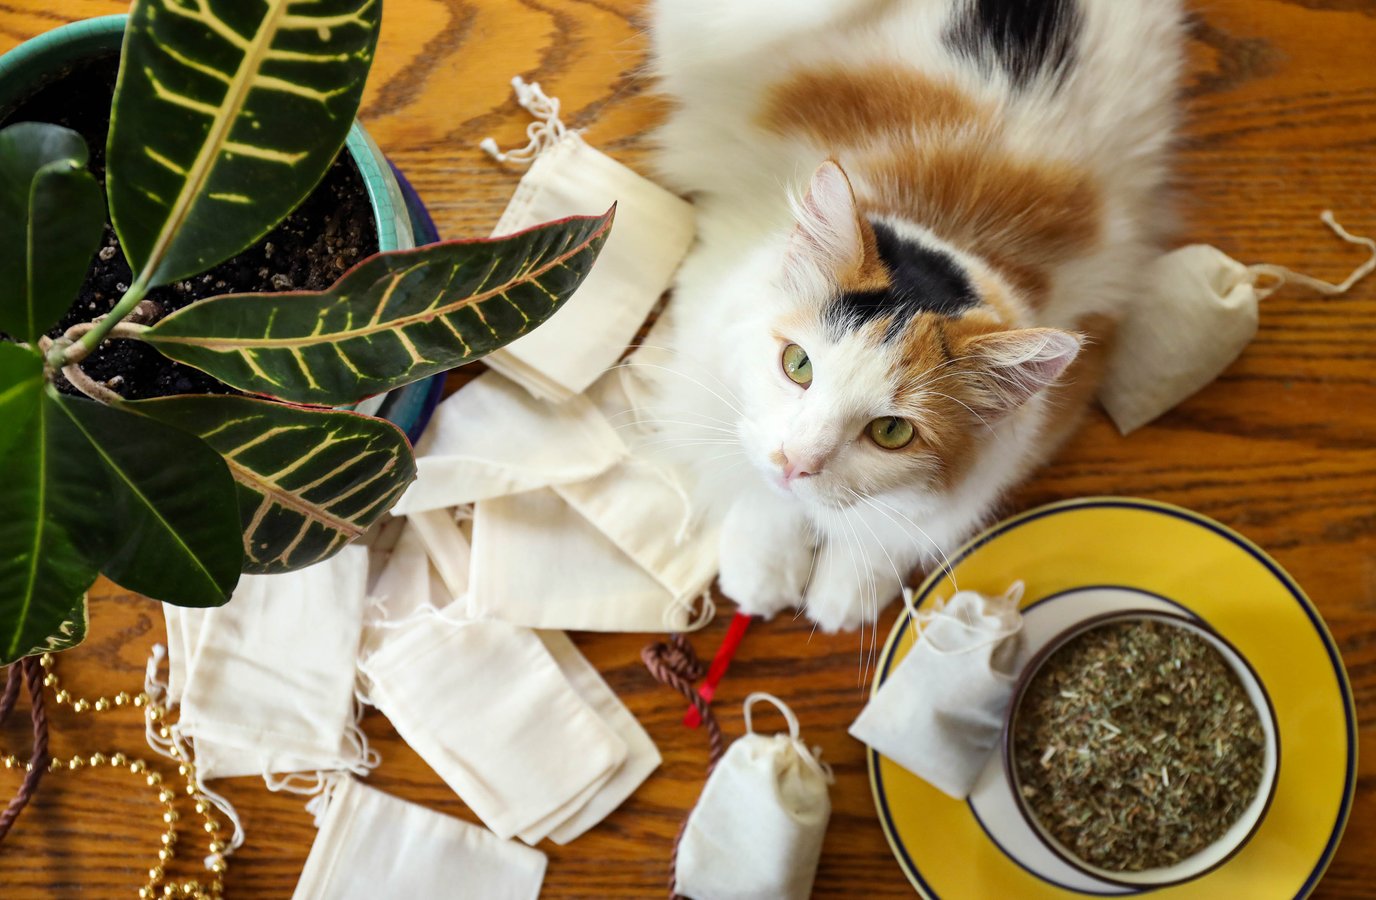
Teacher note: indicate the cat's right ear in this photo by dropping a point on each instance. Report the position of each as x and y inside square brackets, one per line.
[829, 233]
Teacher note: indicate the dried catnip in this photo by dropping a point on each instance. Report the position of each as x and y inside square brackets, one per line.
[1136, 746]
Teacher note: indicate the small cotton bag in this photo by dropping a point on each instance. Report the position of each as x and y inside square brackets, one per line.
[374, 846]
[649, 239]
[642, 756]
[620, 551]
[491, 438]
[1199, 312]
[940, 713]
[271, 685]
[488, 708]
[757, 829]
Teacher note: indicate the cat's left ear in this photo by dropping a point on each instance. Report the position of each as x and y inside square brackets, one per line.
[829, 229]
[1011, 367]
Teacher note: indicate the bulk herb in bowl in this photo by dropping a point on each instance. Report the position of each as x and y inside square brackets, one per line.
[1135, 746]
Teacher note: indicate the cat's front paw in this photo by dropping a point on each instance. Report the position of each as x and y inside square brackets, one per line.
[846, 593]
[763, 568]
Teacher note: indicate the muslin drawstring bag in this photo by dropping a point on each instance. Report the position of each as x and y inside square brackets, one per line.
[271, 684]
[756, 831]
[374, 846]
[940, 713]
[491, 438]
[1198, 313]
[642, 756]
[649, 239]
[487, 707]
[619, 552]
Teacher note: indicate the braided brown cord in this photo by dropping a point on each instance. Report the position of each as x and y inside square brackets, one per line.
[32, 671]
[677, 665]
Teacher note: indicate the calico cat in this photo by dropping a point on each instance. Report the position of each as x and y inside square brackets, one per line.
[918, 221]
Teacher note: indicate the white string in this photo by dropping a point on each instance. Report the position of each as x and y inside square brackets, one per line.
[1284, 275]
[1011, 597]
[543, 133]
[810, 755]
[705, 613]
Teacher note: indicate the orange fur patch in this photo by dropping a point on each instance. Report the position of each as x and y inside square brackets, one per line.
[1021, 216]
[841, 106]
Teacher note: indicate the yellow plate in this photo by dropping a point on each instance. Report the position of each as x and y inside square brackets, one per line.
[1219, 576]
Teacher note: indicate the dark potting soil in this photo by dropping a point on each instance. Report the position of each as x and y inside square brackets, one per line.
[329, 232]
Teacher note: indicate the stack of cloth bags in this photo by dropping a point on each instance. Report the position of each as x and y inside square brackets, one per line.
[533, 513]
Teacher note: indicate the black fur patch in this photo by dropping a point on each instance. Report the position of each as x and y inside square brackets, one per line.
[1026, 38]
[923, 280]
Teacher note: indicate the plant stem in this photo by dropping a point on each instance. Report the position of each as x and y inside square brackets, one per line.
[57, 356]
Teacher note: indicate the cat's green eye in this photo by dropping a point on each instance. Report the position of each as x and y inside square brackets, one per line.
[891, 432]
[796, 365]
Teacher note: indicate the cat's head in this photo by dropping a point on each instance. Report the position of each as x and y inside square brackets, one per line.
[885, 355]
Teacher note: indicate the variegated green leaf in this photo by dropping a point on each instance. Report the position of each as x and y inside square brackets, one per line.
[226, 115]
[310, 481]
[391, 320]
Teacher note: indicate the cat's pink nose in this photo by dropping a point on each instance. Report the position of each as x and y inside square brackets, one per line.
[801, 467]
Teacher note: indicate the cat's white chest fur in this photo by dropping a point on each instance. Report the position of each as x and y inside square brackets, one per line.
[917, 289]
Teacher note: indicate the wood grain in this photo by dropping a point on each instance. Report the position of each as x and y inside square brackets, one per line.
[1282, 124]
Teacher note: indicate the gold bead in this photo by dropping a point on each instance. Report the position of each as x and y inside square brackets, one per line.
[121, 698]
[49, 680]
[166, 732]
[167, 795]
[145, 893]
[165, 854]
[80, 706]
[28, 767]
[169, 817]
[101, 704]
[168, 890]
[153, 713]
[10, 762]
[216, 864]
[62, 696]
[155, 874]
[140, 699]
[153, 779]
[202, 806]
[138, 766]
[169, 838]
[211, 826]
[190, 887]
[184, 769]
[46, 660]
[98, 759]
[217, 846]
[75, 763]
[119, 759]
[191, 790]
[54, 764]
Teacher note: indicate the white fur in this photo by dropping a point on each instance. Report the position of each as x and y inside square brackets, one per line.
[728, 405]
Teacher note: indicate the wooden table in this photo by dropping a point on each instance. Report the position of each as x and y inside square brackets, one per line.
[1282, 123]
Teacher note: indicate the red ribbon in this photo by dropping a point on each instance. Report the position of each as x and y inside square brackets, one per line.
[720, 663]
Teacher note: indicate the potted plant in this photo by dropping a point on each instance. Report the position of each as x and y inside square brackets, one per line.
[224, 118]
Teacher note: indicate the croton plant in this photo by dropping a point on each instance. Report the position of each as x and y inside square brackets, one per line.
[226, 115]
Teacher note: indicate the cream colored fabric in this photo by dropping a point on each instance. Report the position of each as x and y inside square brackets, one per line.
[487, 707]
[756, 832]
[642, 756]
[270, 686]
[618, 552]
[373, 846]
[940, 713]
[491, 438]
[1198, 313]
[649, 238]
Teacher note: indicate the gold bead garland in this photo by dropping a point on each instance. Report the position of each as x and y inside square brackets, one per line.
[155, 713]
